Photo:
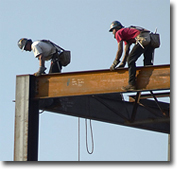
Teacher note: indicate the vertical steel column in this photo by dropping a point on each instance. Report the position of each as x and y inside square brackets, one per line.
[169, 147]
[26, 120]
[138, 95]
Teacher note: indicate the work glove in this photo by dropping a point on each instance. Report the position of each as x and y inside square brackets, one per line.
[40, 71]
[113, 66]
[121, 65]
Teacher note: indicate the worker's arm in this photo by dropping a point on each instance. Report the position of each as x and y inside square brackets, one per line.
[41, 65]
[41, 60]
[118, 56]
[119, 51]
[126, 53]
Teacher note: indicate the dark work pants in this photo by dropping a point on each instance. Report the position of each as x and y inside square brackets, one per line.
[55, 64]
[134, 55]
[54, 68]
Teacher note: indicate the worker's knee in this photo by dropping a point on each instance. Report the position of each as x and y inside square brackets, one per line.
[40, 57]
[131, 63]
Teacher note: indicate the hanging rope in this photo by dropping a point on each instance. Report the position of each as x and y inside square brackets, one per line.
[78, 138]
[91, 137]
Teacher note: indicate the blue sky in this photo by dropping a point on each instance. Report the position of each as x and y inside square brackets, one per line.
[82, 27]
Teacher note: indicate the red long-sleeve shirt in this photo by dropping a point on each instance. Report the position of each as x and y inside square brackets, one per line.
[126, 34]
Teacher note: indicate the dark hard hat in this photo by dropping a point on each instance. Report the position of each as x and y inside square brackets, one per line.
[115, 24]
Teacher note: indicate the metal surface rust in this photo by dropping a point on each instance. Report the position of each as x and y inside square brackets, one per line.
[101, 82]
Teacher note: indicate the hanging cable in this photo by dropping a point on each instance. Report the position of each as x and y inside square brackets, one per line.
[91, 137]
[78, 138]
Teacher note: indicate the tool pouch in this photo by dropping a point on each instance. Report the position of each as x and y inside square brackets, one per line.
[144, 38]
[65, 58]
[155, 40]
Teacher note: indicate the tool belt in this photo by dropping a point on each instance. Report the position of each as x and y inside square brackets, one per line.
[64, 57]
[143, 38]
[146, 38]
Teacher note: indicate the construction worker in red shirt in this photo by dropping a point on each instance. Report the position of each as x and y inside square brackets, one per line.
[130, 35]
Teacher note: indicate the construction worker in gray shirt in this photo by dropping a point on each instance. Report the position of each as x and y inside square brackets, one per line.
[44, 51]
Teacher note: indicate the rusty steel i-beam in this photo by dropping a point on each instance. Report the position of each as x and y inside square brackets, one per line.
[86, 92]
[101, 82]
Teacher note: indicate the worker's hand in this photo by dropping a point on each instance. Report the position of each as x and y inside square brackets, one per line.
[40, 71]
[121, 65]
[113, 66]
[37, 74]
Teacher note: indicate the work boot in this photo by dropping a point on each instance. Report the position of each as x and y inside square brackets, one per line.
[129, 88]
